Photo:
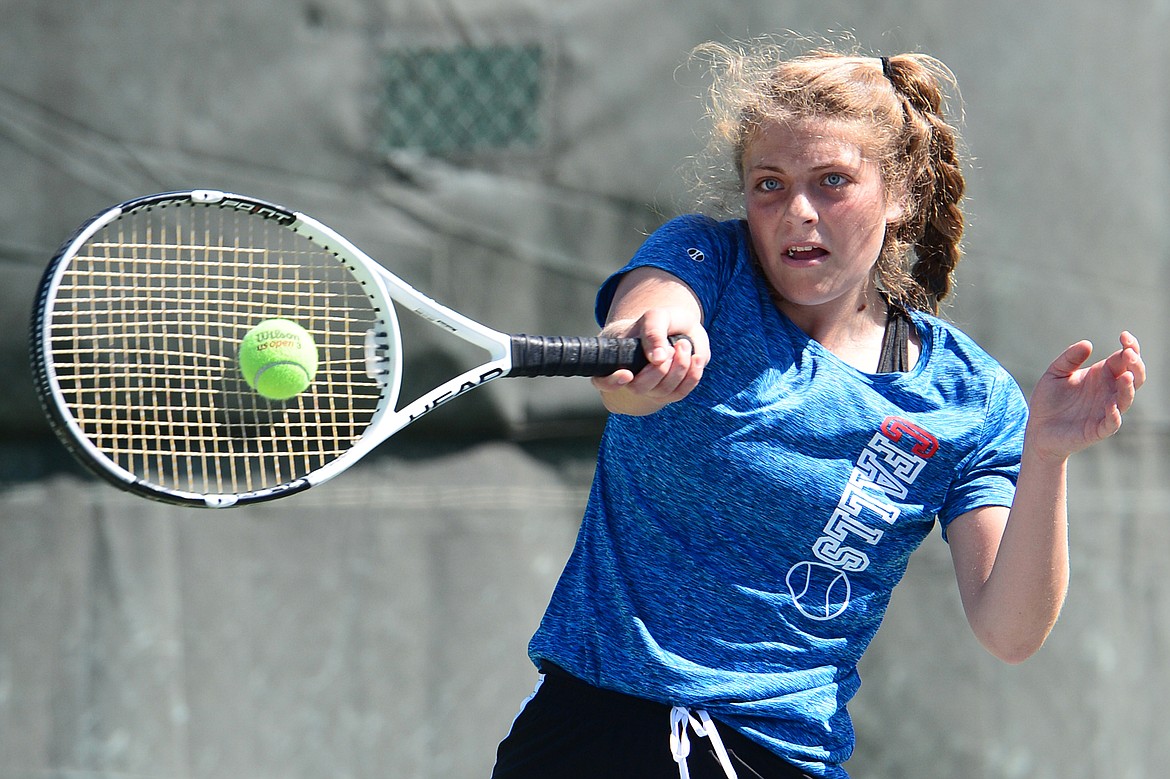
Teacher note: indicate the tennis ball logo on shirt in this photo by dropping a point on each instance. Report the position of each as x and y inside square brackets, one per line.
[820, 591]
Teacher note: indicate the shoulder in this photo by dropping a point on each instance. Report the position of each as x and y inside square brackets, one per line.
[702, 252]
[700, 223]
[948, 342]
[698, 237]
[962, 369]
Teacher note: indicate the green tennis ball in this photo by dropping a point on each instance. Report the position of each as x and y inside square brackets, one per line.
[278, 359]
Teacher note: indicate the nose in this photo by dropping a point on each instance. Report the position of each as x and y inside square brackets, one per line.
[800, 209]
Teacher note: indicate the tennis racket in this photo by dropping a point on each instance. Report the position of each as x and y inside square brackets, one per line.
[140, 315]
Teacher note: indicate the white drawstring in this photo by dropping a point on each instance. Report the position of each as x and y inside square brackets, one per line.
[680, 742]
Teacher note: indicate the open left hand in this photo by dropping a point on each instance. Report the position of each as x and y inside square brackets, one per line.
[1073, 407]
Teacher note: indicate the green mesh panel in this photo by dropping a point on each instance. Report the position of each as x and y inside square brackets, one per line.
[462, 99]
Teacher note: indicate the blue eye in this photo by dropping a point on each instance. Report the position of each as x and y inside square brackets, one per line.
[769, 185]
[836, 180]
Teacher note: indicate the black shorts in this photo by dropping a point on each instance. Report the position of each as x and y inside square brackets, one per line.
[571, 730]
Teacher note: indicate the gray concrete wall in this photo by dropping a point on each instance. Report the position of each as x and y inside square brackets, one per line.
[376, 626]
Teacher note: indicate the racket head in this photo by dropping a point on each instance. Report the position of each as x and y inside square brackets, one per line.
[134, 341]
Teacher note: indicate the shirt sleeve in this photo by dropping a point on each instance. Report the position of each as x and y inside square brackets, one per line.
[699, 250]
[987, 477]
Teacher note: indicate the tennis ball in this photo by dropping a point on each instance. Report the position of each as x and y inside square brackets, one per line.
[278, 359]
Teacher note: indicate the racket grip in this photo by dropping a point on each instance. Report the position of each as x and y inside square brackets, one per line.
[534, 355]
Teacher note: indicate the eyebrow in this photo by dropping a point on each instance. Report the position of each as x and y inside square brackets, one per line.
[815, 168]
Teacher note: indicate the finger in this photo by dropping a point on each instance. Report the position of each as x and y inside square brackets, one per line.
[675, 383]
[1133, 362]
[1127, 361]
[694, 373]
[1130, 362]
[613, 381]
[1071, 359]
[660, 380]
[1125, 391]
[655, 334]
[1139, 373]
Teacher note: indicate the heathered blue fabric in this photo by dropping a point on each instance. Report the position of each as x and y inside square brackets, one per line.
[739, 547]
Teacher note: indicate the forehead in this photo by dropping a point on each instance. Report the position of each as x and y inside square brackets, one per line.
[805, 144]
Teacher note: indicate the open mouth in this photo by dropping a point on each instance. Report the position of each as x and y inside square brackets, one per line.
[806, 252]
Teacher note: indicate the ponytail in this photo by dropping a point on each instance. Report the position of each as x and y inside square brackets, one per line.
[933, 179]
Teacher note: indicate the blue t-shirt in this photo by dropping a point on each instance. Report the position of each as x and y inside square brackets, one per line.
[740, 546]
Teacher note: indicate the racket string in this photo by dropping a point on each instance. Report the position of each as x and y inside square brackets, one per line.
[144, 334]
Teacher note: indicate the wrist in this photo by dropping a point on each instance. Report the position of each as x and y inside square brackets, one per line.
[1038, 455]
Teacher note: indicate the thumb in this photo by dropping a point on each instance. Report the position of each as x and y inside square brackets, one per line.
[1071, 359]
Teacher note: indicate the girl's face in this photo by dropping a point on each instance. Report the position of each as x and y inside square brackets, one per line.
[818, 212]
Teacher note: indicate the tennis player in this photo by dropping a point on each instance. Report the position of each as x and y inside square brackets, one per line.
[760, 487]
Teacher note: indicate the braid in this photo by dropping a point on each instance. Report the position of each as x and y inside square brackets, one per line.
[938, 247]
[935, 186]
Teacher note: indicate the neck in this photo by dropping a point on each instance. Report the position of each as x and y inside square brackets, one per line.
[851, 328]
[849, 318]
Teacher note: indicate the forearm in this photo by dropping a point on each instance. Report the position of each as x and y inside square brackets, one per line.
[1018, 603]
[653, 305]
[1012, 566]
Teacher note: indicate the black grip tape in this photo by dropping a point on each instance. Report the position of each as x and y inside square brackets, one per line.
[535, 355]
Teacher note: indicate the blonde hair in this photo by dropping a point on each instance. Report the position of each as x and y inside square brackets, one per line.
[896, 108]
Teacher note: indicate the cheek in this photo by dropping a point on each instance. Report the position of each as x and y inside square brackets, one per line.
[862, 222]
[760, 216]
